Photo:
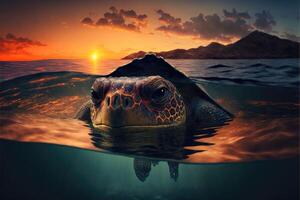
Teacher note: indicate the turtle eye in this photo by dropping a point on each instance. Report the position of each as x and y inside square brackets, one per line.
[156, 90]
[159, 93]
[96, 97]
[99, 90]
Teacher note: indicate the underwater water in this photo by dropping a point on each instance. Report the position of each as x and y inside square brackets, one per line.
[254, 156]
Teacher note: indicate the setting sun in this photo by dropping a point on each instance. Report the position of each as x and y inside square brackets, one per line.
[95, 56]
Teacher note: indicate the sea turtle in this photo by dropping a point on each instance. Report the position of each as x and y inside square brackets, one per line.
[149, 93]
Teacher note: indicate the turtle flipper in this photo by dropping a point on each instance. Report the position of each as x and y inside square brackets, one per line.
[142, 168]
[207, 114]
[173, 169]
[84, 112]
[155, 162]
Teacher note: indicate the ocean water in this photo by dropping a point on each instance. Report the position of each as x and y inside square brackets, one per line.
[46, 154]
[278, 72]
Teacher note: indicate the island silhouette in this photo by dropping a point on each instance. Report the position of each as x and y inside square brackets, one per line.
[256, 45]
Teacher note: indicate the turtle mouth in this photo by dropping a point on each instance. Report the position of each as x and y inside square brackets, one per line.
[128, 128]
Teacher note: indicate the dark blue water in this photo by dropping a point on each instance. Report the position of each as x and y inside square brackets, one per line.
[39, 171]
[256, 156]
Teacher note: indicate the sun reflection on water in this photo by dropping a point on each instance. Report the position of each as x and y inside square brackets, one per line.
[95, 61]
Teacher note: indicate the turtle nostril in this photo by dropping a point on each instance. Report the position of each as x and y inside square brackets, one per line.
[107, 101]
[116, 101]
[127, 102]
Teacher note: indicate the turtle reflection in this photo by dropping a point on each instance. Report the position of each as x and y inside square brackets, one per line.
[151, 146]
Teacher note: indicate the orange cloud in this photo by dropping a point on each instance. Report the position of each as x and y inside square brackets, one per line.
[12, 47]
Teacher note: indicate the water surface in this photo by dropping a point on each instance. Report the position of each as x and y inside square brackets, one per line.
[40, 108]
[254, 156]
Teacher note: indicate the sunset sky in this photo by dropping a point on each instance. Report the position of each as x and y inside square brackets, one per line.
[48, 29]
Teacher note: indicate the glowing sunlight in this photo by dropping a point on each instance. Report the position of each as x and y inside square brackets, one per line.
[95, 56]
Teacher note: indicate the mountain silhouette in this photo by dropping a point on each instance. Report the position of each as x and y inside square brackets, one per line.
[256, 45]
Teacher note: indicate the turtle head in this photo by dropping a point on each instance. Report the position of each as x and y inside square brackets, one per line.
[136, 103]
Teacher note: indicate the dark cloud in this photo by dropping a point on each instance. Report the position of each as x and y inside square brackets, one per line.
[167, 18]
[207, 26]
[236, 15]
[12, 38]
[10, 44]
[123, 19]
[102, 22]
[232, 24]
[291, 36]
[87, 21]
[132, 14]
[264, 21]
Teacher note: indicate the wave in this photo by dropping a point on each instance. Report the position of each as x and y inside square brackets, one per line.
[284, 67]
[293, 72]
[260, 65]
[219, 66]
[265, 66]
[243, 81]
[234, 80]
